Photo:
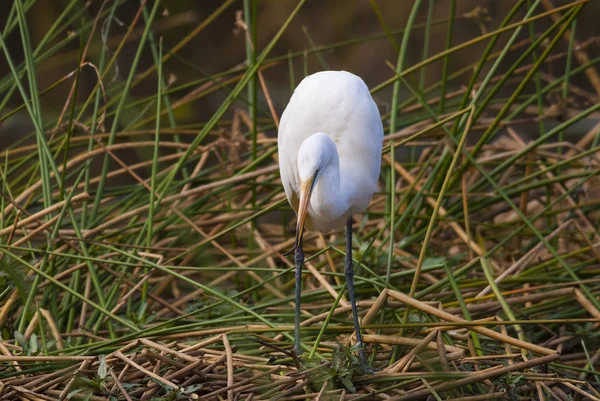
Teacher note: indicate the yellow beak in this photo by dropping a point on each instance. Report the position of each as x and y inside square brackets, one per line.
[306, 189]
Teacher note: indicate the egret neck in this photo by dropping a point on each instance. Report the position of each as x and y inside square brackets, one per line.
[319, 170]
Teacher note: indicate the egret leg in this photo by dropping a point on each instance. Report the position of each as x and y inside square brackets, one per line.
[299, 260]
[349, 270]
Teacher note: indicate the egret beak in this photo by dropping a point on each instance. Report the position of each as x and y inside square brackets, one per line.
[306, 189]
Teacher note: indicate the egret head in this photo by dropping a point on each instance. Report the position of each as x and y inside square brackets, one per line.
[316, 153]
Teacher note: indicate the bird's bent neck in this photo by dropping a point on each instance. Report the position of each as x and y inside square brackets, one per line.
[329, 199]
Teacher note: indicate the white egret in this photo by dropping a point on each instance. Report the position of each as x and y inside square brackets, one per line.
[330, 140]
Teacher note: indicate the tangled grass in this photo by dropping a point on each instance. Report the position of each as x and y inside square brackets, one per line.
[143, 260]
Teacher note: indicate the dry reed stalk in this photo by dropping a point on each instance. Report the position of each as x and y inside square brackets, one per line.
[481, 330]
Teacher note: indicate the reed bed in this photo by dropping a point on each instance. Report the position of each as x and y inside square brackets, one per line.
[144, 260]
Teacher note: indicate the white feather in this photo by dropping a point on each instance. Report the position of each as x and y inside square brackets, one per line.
[339, 105]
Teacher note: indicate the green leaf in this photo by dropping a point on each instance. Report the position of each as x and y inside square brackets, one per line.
[33, 344]
[348, 384]
[17, 276]
[21, 340]
[434, 262]
[73, 392]
[102, 368]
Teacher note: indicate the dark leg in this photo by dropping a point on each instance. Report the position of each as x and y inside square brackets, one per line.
[299, 260]
[350, 282]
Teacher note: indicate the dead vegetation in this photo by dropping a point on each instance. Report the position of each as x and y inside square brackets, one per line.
[147, 263]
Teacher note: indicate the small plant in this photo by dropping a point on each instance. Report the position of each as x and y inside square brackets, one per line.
[98, 383]
[510, 384]
[187, 393]
[586, 331]
[29, 347]
[344, 365]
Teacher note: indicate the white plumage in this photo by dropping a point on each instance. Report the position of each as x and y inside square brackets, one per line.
[339, 105]
[330, 139]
